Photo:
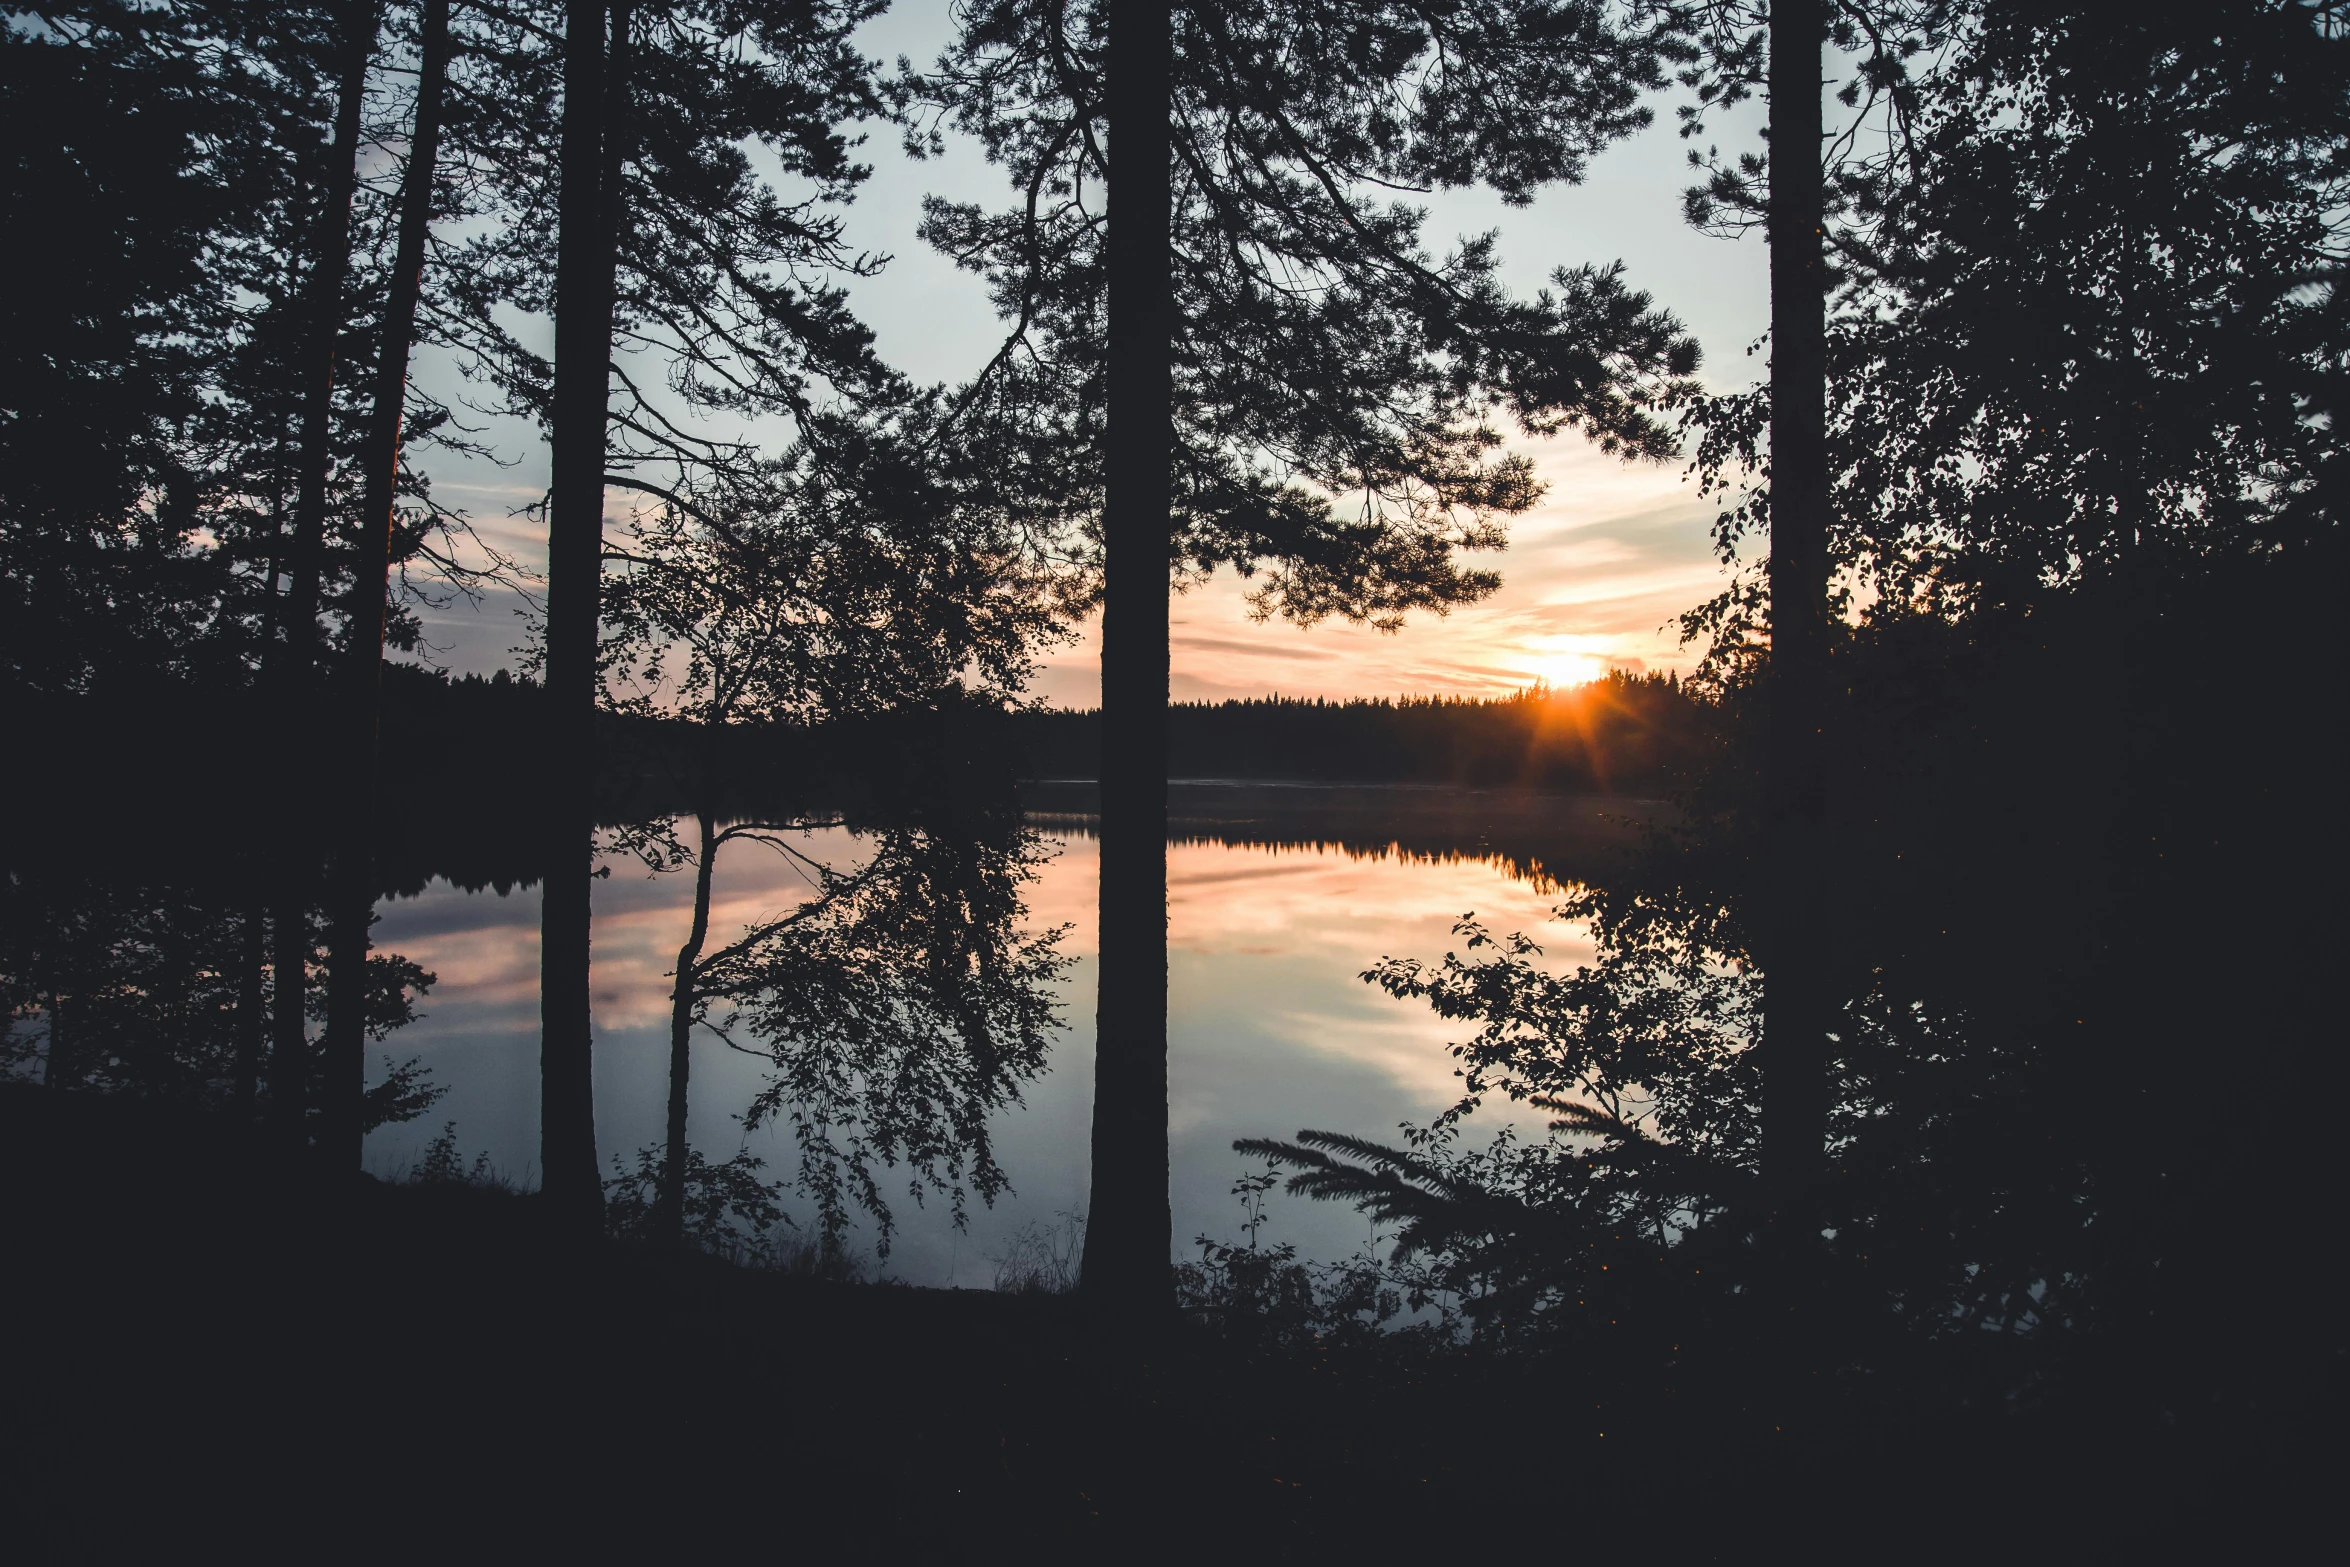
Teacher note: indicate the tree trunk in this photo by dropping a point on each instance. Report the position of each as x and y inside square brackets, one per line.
[1129, 1232]
[330, 267]
[56, 1067]
[594, 90]
[343, 1136]
[289, 1030]
[1795, 947]
[252, 1027]
[669, 1221]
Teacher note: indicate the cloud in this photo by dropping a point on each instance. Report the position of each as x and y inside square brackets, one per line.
[1192, 642]
[1595, 576]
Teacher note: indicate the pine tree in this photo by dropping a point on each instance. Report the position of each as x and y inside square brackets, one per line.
[293, 664]
[1329, 387]
[360, 691]
[594, 141]
[669, 238]
[1795, 1040]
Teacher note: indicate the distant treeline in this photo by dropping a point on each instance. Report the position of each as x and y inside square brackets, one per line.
[1625, 734]
[444, 733]
[464, 764]
[464, 758]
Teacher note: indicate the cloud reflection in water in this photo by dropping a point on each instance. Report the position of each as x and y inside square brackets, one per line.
[1271, 1027]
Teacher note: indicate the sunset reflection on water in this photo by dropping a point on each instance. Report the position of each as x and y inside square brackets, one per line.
[1271, 1028]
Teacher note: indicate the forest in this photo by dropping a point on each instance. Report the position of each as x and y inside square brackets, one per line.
[1873, 1109]
[1622, 734]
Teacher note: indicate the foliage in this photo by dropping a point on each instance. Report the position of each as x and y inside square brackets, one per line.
[835, 580]
[147, 461]
[403, 1095]
[1336, 385]
[1041, 1259]
[157, 977]
[734, 159]
[1262, 1294]
[729, 1210]
[2131, 367]
[2087, 321]
[137, 141]
[899, 1009]
[442, 1165]
[2010, 1015]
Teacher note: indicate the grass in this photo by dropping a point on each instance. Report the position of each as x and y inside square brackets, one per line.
[1041, 1259]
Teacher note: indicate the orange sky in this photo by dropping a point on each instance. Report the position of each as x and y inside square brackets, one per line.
[1592, 579]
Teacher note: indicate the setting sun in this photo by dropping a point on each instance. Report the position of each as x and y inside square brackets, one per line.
[1559, 670]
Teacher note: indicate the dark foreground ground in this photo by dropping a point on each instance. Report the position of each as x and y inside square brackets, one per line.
[208, 1361]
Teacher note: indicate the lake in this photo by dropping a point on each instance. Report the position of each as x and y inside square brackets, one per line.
[1279, 898]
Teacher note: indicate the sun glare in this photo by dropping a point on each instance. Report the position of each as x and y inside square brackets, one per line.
[1560, 670]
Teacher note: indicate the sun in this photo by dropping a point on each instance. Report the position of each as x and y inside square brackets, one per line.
[1558, 670]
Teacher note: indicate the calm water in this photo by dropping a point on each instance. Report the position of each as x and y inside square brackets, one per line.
[1279, 899]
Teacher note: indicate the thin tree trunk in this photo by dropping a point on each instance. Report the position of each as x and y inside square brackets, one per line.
[1795, 947]
[289, 1031]
[252, 1026]
[56, 1068]
[1129, 1231]
[343, 1137]
[669, 1221]
[594, 89]
[281, 418]
[330, 267]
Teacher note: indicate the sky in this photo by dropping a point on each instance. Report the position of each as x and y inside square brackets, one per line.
[1594, 575]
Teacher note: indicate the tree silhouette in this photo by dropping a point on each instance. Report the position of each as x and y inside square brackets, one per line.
[595, 89]
[667, 238]
[121, 324]
[149, 986]
[898, 1009]
[1329, 388]
[293, 662]
[2005, 1204]
[361, 693]
[843, 583]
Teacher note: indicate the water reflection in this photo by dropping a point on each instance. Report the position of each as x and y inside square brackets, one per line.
[1276, 907]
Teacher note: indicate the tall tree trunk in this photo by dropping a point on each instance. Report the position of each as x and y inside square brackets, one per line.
[1129, 1232]
[343, 1135]
[330, 266]
[669, 1221]
[252, 1026]
[1795, 948]
[594, 92]
[330, 269]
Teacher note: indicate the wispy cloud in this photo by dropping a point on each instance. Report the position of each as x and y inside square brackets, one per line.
[1594, 576]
